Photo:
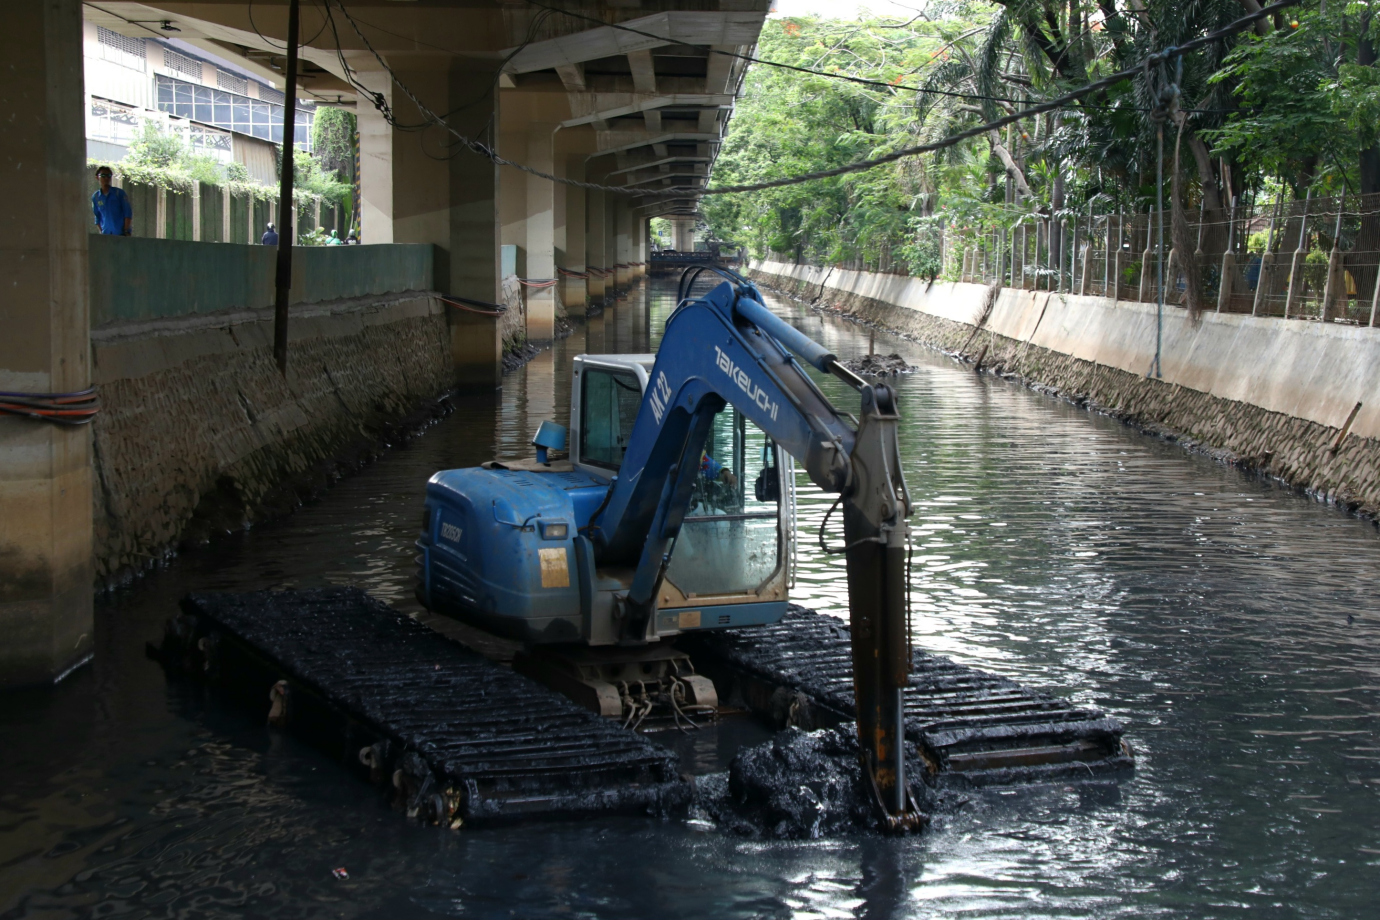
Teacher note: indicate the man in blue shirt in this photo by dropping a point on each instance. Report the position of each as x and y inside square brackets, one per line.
[110, 205]
[270, 237]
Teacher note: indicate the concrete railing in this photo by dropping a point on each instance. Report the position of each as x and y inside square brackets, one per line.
[134, 278]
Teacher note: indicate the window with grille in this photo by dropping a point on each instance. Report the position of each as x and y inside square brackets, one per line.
[271, 95]
[230, 111]
[232, 83]
[120, 48]
[134, 46]
[111, 121]
[180, 63]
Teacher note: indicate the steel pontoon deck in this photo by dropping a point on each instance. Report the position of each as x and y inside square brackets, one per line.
[971, 725]
[463, 739]
[457, 735]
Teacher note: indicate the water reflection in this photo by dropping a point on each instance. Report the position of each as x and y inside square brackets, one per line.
[1207, 610]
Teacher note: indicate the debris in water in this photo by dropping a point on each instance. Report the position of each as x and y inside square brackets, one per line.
[799, 785]
[891, 365]
[340, 873]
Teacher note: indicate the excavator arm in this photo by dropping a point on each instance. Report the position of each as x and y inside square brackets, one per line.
[728, 347]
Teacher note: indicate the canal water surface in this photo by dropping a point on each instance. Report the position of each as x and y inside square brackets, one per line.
[1229, 623]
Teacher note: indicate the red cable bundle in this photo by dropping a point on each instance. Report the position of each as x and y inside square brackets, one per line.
[59, 408]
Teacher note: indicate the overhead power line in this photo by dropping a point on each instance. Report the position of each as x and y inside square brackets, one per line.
[1144, 66]
[1159, 57]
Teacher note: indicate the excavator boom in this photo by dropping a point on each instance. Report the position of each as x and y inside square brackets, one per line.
[572, 555]
[728, 347]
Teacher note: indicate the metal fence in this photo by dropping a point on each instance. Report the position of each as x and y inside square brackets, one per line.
[1312, 258]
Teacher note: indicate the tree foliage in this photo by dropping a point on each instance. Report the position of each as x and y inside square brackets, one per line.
[1289, 103]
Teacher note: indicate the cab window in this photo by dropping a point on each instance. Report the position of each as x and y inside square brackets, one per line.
[608, 406]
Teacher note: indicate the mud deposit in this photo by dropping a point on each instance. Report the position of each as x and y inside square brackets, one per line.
[799, 786]
[892, 365]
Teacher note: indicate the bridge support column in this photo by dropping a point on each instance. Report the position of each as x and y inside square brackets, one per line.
[611, 200]
[640, 238]
[45, 470]
[595, 212]
[541, 242]
[624, 218]
[573, 146]
[575, 290]
[411, 193]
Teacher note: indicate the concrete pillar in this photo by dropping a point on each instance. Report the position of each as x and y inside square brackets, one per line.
[683, 235]
[640, 238]
[417, 188]
[1227, 276]
[45, 470]
[375, 159]
[541, 245]
[595, 257]
[573, 147]
[611, 202]
[575, 290]
[624, 241]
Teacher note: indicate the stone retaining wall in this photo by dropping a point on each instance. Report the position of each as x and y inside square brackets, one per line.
[199, 432]
[1294, 446]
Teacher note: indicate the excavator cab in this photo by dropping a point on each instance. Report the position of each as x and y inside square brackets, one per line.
[733, 558]
[509, 547]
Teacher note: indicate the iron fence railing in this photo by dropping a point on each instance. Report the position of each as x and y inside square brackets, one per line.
[1312, 258]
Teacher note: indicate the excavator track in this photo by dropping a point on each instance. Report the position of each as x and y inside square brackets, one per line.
[971, 726]
[458, 738]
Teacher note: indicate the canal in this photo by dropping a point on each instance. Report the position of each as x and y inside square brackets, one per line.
[1229, 623]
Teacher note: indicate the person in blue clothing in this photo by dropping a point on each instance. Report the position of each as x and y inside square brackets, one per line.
[270, 237]
[713, 470]
[110, 206]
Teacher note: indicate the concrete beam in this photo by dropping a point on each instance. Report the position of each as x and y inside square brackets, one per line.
[692, 27]
[591, 106]
[665, 164]
[622, 139]
[720, 68]
[45, 469]
[643, 72]
[573, 76]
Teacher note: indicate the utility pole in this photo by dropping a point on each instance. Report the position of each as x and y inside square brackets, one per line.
[286, 210]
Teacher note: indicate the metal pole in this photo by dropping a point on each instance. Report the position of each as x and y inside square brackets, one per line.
[286, 210]
[1159, 212]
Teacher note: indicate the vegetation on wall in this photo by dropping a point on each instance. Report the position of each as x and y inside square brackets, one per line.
[333, 140]
[161, 158]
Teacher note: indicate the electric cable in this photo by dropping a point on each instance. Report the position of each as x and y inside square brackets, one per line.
[77, 408]
[1158, 57]
[283, 47]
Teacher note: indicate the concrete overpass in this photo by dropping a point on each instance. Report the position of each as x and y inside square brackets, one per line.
[629, 94]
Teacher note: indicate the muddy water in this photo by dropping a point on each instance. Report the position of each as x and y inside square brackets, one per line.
[1208, 611]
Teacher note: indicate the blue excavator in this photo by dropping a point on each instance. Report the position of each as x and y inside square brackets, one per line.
[646, 529]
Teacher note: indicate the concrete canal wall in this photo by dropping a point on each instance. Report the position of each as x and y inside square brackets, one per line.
[1267, 394]
[199, 431]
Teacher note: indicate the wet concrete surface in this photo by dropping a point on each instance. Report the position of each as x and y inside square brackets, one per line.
[1227, 623]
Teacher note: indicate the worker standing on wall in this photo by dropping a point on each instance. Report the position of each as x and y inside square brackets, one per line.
[110, 205]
